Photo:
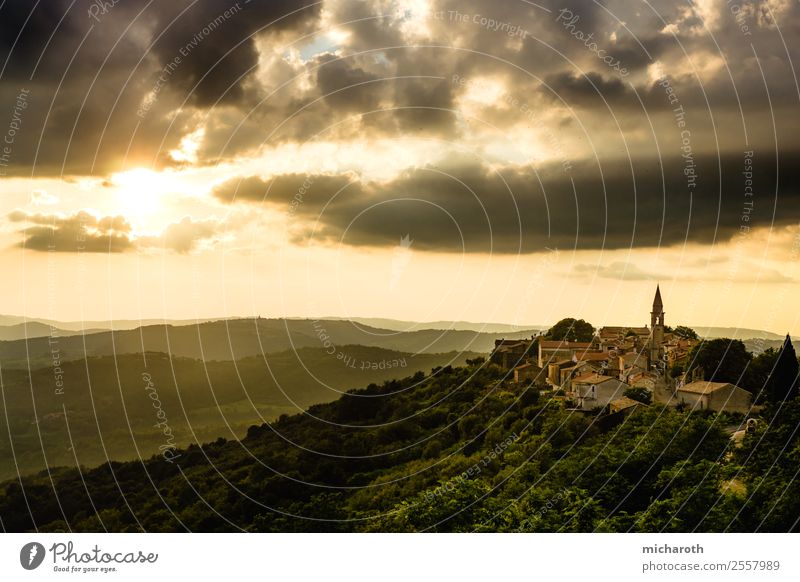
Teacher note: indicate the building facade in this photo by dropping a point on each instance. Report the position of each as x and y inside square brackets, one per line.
[715, 396]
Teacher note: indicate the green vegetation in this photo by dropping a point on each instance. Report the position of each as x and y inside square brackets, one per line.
[460, 449]
[772, 375]
[571, 329]
[722, 360]
[105, 412]
[782, 381]
[685, 332]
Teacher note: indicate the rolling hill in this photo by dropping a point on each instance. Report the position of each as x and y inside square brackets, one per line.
[455, 451]
[401, 325]
[241, 338]
[103, 408]
[34, 329]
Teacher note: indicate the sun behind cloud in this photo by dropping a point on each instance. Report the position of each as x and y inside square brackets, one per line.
[140, 193]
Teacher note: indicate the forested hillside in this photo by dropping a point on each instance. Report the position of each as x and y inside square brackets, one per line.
[459, 449]
[89, 411]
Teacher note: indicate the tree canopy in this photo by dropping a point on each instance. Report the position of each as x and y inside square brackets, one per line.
[722, 360]
[685, 332]
[398, 457]
[782, 382]
[571, 329]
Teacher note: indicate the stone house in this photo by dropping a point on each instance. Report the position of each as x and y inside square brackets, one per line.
[593, 391]
[716, 396]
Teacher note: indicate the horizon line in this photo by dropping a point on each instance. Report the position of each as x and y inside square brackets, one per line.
[206, 319]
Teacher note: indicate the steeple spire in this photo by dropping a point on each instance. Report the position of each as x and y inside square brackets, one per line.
[658, 305]
[657, 314]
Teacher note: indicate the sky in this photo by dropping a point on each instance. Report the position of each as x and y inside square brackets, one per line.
[497, 161]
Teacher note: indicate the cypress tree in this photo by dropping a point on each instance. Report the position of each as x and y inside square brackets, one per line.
[783, 381]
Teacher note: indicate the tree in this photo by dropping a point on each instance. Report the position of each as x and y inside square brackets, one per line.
[432, 450]
[571, 329]
[760, 370]
[685, 332]
[722, 360]
[689, 500]
[782, 382]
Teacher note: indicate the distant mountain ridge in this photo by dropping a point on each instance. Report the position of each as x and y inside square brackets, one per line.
[368, 331]
[241, 338]
[403, 325]
[80, 326]
[377, 322]
[33, 329]
[737, 333]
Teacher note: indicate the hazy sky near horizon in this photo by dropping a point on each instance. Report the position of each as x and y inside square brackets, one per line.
[425, 160]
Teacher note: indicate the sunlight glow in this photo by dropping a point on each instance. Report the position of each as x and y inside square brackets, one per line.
[139, 193]
[189, 146]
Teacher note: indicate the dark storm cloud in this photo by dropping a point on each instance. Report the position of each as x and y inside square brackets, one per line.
[346, 87]
[467, 206]
[90, 76]
[591, 88]
[74, 72]
[89, 70]
[630, 34]
[26, 27]
[424, 96]
[310, 190]
[424, 105]
[215, 39]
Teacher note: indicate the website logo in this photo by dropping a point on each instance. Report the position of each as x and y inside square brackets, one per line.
[31, 555]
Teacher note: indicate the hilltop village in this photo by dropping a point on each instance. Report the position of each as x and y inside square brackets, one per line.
[618, 362]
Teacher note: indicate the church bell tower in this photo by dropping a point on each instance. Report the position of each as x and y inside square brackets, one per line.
[656, 327]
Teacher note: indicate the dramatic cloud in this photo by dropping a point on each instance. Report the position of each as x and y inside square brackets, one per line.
[84, 233]
[580, 90]
[310, 191]
[345, 87]
[123, 86]
[80, 232]
[109, 79]
[215, 42]
[284, 137]
[470, 207]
